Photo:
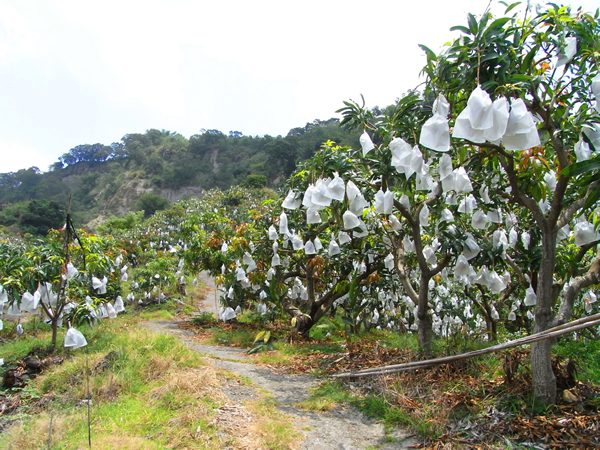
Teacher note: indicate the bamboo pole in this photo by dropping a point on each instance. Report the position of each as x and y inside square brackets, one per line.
[559, 330]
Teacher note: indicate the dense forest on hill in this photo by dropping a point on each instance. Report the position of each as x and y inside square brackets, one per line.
[146, 171]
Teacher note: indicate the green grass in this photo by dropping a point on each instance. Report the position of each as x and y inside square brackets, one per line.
[155, 393]
[326, 396]
[585, 353]
[124, 405]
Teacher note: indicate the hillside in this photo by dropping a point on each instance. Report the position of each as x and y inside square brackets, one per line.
[152, 169]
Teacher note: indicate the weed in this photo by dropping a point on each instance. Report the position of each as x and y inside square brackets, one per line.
[204, 318]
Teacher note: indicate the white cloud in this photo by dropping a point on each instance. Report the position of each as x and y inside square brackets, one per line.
[16, 156]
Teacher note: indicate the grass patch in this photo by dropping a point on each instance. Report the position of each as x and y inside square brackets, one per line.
[150, 393]
[273, 426]
[327, 396]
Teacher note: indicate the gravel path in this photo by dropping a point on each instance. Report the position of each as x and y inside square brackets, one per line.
[342, 429]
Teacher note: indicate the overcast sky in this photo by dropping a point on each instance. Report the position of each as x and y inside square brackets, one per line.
[77, 72]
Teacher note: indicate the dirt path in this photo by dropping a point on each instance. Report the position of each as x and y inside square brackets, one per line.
[341, 429]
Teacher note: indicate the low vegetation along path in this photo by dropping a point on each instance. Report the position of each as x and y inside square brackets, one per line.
[344, 428]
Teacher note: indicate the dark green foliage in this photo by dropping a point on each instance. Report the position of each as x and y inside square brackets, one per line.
[96, 179]
[150, 203]
[254, 182]
[34, 217]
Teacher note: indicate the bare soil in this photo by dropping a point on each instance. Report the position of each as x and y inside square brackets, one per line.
[344, 428]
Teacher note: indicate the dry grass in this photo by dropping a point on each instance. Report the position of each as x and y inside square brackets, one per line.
[189, 383]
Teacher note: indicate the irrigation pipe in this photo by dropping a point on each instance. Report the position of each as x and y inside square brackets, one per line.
[559, 330]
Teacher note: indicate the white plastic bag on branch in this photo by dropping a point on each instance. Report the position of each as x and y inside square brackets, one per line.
[429, 255]
[297, 243]
[567, 53]
[119, 307]
[585, 233]
[291, 202]
[275, 261]
[500, 116]
[334, 248]
[530, 297]
[74, 339]
[470, 247]
[525, 239]
[582, 150]
[462, 267]
[352, 190]
[318, 245]
[521, 131]
[336, 188]
[447, 216]
[309, 248]
[424, 216]
[71, 271]
[29, 303]
[110, 309]
[425, 181]
[362, 231]
[593, 134]
[401, 154]
[366, 143]
[550, 179]
[99, 285]
[343, 237]
[389, 262]
[227, 314]
[350, 220]
[494, 216]
[283, 224]
[479, 220]
[273, 233]
[317, 197]
[435, 133]
[462, 183]
[358, 204]
[3, 296]
[312, 216]
[449, 182]
[497, 285]
[409, 245]
[596, 87]
[563, 233]
[475, 118]
[396, 225]
[588, 299]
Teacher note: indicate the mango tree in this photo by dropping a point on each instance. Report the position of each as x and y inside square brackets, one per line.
[522, 98]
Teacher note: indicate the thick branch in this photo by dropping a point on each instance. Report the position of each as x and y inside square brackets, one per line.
[575, 287]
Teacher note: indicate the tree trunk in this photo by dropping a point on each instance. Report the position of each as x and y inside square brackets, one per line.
[54, 325]
[542, 376]
[424, 321]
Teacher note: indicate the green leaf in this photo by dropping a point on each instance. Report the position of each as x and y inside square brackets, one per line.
[511, 7]
[520, 77]
[592, 199]
[260, 336]
[472, 23]
[347, 320]
[526, 66]
[496, 24]
[461, 28]
[580, 168]
[431, 56]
